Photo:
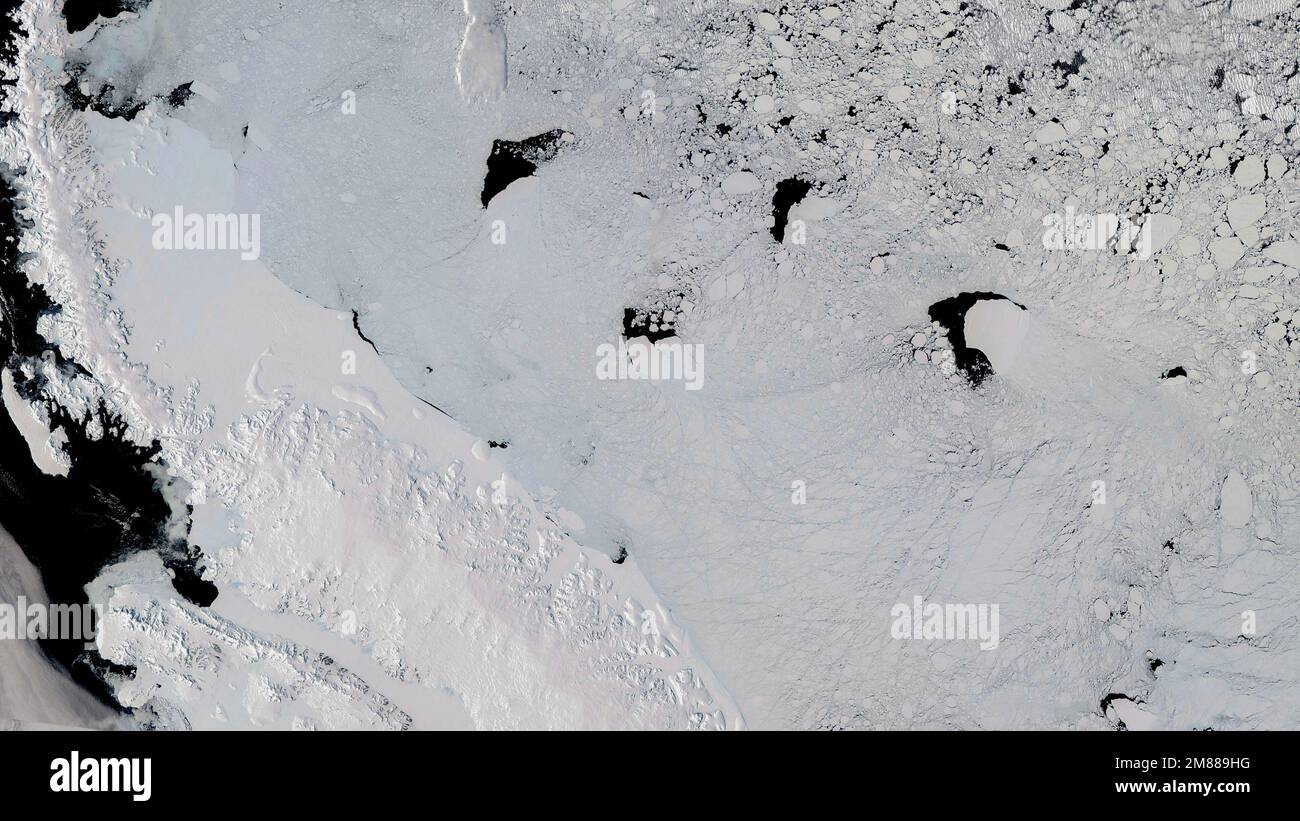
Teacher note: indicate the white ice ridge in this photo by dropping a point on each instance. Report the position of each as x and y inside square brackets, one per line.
[371, 576]
[481, 61]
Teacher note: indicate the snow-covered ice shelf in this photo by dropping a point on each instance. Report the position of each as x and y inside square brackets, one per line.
[976, 304]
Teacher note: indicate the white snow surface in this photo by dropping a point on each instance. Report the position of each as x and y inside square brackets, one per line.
[997, 328]
[320, 512]
[326, 498]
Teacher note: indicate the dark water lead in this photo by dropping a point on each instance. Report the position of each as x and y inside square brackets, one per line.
[79, 14]
[656, 319]
[789, 193]
[510, 161]
[951, 315]
[103, 102]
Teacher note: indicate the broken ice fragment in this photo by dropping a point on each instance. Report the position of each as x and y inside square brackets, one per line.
[1226, 252]
[1235, 505]
[1287, 253]
[741, 182]
[1244, 212]
[1249, 172]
